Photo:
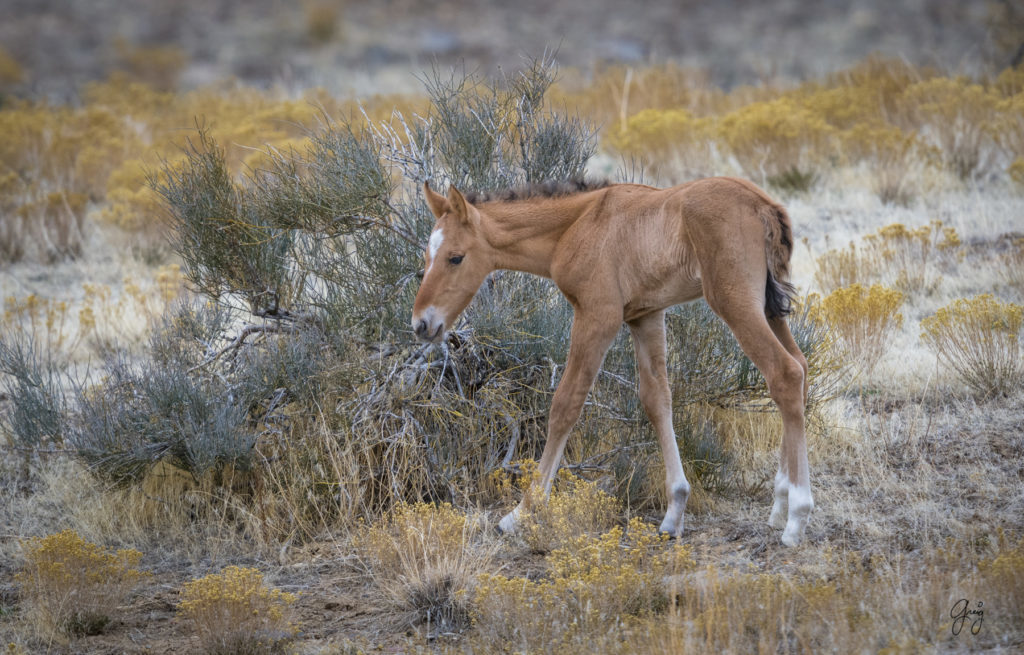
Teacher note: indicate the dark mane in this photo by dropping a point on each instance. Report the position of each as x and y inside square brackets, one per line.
[537, 190]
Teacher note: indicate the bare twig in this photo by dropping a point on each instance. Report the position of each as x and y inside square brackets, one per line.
[237, 342]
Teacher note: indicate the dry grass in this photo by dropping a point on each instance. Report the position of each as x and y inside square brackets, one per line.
[425, 560]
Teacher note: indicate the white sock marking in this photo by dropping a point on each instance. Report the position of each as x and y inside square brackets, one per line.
[800, 505]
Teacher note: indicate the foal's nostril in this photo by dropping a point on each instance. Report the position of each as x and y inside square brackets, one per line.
[421, 329]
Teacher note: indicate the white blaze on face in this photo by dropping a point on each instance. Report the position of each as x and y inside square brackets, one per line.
[436, 239]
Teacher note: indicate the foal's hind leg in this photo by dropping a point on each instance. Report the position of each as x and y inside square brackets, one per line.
[744, 315]
[649, 342]
[780, 506]
[782, 332]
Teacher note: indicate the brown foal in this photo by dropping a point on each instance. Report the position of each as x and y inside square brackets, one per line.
[625, 253]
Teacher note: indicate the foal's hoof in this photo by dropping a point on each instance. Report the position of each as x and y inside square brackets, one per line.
[508, 524]
[800, 505]
[671, 531]
[792, 537]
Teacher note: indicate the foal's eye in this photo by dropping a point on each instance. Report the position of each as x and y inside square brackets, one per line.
[455, 259]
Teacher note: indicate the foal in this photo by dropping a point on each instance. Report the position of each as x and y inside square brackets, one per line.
[625, 253]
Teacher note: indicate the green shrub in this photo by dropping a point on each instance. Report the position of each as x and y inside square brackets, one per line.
[33, 384]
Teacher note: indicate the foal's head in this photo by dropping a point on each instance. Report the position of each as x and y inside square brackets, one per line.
[456, 262]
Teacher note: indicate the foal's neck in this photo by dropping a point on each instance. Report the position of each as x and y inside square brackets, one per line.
[525, 233]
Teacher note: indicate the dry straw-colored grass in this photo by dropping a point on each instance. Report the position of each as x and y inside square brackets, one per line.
[425, 559]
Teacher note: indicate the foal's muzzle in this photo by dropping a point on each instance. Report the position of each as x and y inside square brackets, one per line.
[428, 332]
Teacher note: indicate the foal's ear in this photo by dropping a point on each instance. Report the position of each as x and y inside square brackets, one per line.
[458, 204]
[437, 203]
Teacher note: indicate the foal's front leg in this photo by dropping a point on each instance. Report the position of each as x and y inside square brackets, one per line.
[591, 335]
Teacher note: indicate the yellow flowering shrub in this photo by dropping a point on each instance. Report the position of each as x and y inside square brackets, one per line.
[1004, 577]
[617, 93]
[575, 507]
[863, 318]
[235, 612]
[880, 83]
[1008, 131]
[959, 117]
[1016, 171]
[841, 267]
[74, 587]
[906, 258]
[979, 338]
[663, 138]
[910, 256]
[892, 157]
[40, 319]
[774, 138]
[595, 585]
[425, 559]
[130, 202]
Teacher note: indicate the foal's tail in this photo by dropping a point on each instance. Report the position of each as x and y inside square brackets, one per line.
[778, 236]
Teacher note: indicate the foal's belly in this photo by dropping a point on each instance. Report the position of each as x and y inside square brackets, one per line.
[679, 290]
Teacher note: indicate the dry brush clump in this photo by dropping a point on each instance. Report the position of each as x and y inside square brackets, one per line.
[235, 612]
[305, 337]
[71, 587]
[425, 560]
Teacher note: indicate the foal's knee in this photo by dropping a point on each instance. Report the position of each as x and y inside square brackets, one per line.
[787, 384]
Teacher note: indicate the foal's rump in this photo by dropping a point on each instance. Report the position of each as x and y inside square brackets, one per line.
[721, 215]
